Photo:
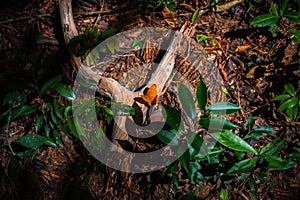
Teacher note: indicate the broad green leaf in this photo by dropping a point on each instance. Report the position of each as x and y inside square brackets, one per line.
[65, 91]
[242, 166]
[249, 123]
[108, 111]
[72, 127]
[278, 163]
[137, 44]
[223, 108]
[31, 141]
[53, 116]
[80, 129]
[57, 138]
[195, 16]
[187, 101]
[264, 129]
[281, 97]
[57, 108]
[202, 95]
[47, 130]
[272, 148]
[253, 189]
[39, 123]
[290, 89]
[243, 177]
[107, 33]
[171, 7]
[265, 20]
[223, 194]
[50, 84]
[172, 116]
[27, 109]
[254, 136]
[184, 160]
[197, 142]
[217, 123]
[167, 137]
[288, 104]
[233, 141]
[292, 112]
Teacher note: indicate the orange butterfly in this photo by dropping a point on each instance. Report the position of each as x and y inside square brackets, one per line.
[150, 95]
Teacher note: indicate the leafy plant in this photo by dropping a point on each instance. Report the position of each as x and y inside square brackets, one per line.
[86, 42]
[51, 112]
[278, 11]
[290, 102]
[204, 153]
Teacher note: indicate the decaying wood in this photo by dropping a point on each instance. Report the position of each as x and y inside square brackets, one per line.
[109, 86]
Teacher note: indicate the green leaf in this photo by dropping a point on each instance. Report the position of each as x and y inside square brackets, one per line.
[290, 89]
[281, 97]
[274, 8]
[254, 136]
[50, 84]
[288, 104]
[264, 129]
[27, 109]
[233, 141]
[292, 112]
[64, 129]
[265, 20]
[195, 16]
[223, 194]
[217, 123]
[249, 123]
[172, 116]
[197, 142]
[272, 148]
[253, 189]
[242, 166]
[65, 91]
[39, 123]
[194, 167]
[294, 17]
[296, 34]
[57, 108]
[184, 160]
[57, 138]
[72, 127]
[278, 163]
[167, 137]
[223, 108]
[202, 95]
[137, 44]
[31, 141]
[187, 101]
[243, 177]
[171, 7]
[283, 7]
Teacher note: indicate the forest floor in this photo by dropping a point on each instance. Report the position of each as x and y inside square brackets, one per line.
[253, 63]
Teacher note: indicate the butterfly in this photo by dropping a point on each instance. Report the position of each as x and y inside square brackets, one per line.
[150, 95]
